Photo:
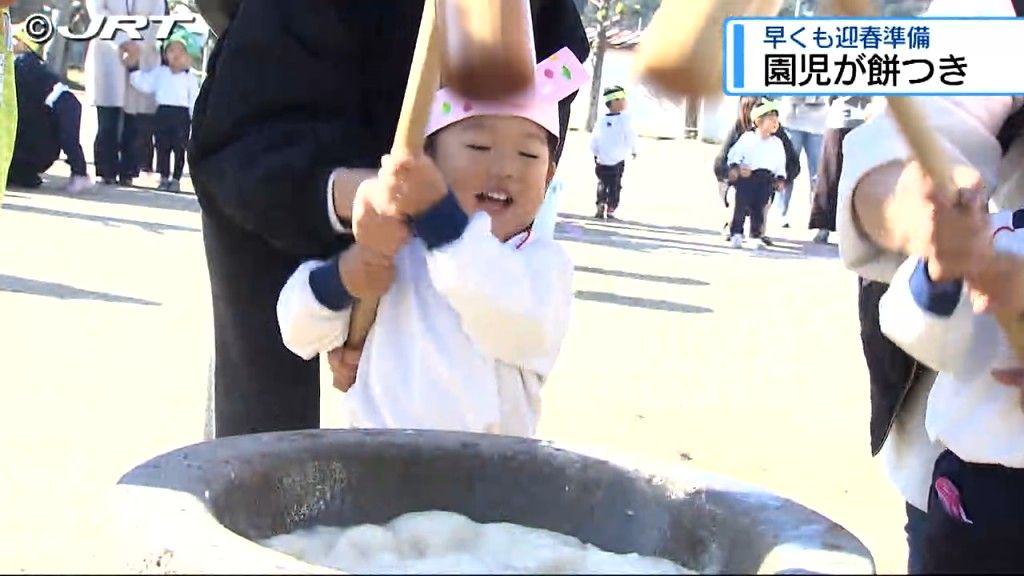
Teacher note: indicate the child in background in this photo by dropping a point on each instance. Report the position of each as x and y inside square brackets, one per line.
[176, 90]
[614, 139]
[757, 166]
[479, 304]
[49, 120]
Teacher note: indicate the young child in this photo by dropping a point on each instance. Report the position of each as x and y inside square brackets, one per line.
[49, 120]
[176, 90]
[975, 514]
[614, 139]
[757, 166]
[479, 304]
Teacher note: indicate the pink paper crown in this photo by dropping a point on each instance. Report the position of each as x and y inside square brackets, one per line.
[556, 77]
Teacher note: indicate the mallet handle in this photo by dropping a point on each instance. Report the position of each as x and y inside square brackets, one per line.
[928, 151]
[409, 136]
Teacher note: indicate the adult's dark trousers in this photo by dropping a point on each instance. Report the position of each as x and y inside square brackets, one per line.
[172, 130]
[609, 184]
[752, 195]
[975, 523]
[258, 384]
[114, 147]
[145, 147]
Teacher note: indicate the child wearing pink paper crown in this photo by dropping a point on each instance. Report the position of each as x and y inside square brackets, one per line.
[478, 306]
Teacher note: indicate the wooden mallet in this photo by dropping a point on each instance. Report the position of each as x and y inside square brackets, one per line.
[926, 148]
[681, 50]
[487, 52]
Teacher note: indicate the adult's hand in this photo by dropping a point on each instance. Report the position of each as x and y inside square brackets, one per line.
[376, 220]
[344, 363]
[999, 285]
[952, 234]
[130, 53]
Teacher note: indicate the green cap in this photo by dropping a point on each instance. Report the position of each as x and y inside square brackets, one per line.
[186, 39]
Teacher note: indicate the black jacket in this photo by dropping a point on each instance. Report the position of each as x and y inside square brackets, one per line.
[37, 142]
[792, 160]
[296, 89]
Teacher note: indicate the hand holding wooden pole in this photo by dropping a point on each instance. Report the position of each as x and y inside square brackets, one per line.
[927, 149]
[487, 52]
[409, 136]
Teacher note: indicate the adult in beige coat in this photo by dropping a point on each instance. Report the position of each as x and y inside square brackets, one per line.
[119, 106]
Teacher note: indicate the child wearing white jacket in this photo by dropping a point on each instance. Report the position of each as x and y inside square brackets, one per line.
[474, 319]
[976, 502]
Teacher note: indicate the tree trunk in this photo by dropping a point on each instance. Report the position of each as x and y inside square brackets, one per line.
[601, 46]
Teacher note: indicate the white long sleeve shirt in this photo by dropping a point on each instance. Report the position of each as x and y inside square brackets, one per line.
[463, 339]
[168, 87]
[614, 139]
[759, 153]
[968, 411]
[967, 128]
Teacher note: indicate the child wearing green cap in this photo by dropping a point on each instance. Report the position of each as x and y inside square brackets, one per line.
[757, 166]
[614, 139]
[175, 89]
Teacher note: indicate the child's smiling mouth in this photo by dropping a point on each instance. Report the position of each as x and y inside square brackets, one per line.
[493, 201]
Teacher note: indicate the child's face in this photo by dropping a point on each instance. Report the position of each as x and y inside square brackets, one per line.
[768, 124]
[20, 47]
[617, 105]
[498, 164]
[177, 57]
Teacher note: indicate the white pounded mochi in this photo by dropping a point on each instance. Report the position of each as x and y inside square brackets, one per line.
[434, 533]
[439, 542]
[518, 549]
[364, 545]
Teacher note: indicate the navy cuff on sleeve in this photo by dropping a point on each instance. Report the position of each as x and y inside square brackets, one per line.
[939, 298]
[325, 281]
[444, 222]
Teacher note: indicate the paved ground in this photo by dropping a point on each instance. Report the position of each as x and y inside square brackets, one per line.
[680, 349]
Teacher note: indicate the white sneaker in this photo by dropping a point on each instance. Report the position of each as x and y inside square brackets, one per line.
[78, 184]
[736, 241]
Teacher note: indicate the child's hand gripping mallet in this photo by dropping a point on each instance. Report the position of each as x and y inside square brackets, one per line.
[501, 34]
[925, 147]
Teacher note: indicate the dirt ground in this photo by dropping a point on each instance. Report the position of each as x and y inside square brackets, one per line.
[680, 350]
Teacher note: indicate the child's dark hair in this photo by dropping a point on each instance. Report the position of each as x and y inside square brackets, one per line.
[611, 90]
[430, 142]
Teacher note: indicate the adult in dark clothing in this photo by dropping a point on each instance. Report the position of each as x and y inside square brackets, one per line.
[845, 114]
[49, 120]
[744, 124]
[300, 103]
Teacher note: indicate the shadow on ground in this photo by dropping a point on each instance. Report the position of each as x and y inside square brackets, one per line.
[154, 227]
[19, 285]
[677, 280]
[637, 302]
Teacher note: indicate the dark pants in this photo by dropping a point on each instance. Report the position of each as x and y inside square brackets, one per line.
[826, 185]
[609, 184]
[752, 194]
[992, 498]
[114, 148]
[60, 133]
[172, 129]
[916, 522]
[68, 110]
[259, 385]
[144, 147]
